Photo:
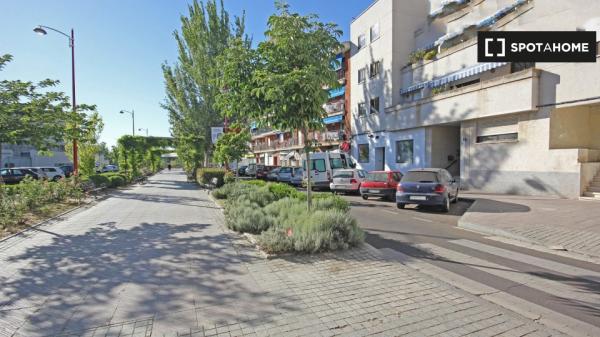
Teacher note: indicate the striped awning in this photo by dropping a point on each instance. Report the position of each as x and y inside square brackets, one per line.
[455, 76]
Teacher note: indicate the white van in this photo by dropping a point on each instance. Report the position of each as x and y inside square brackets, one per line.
[324, 165]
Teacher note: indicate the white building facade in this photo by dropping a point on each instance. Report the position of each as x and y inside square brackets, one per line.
[421, 99]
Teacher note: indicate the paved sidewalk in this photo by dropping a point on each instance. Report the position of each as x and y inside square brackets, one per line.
[155, 260]
[572, 224]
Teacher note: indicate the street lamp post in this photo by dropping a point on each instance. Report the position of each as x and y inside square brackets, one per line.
[144, 129]
[132, 113]
[41, 30]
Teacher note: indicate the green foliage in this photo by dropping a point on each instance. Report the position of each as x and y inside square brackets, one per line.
[430, 55]
[232, 146]
[116, 181]
[30, 195]
[229, 177]
[34, 114]
[247, 217]
[139, 155]
[256, 182]
[88, 130]
[283, 191]
[416, 56]
[192, 84]
[99, 180]
[205, 176]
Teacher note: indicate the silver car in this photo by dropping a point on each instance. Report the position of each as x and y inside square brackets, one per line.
[286, 174]
[347, 181]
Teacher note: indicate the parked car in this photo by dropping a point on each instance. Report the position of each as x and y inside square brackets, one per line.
[38, 171]
[323, 165]
[242, 170]
[53, 173]
[297, 176]
[286, 173]
[380, 184]
[16, 175]
[263, 170]
[345, 181]
[251, 170]
[428, 186]
[110, 168]
[273, 174]
[67, 169]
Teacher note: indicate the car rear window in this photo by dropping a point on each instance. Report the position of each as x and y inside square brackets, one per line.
[343, 174]
[420, 177]
[377, 176]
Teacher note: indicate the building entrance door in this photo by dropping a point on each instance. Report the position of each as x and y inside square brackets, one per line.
[380, 158]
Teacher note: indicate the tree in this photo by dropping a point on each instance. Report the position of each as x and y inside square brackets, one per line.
[86, 130]
[32, 113]
[232, 146]
[294, 72]
[192, 84]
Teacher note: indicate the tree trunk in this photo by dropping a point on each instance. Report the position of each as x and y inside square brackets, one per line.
[308, 181]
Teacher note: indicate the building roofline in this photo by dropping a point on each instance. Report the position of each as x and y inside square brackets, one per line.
[364, 11]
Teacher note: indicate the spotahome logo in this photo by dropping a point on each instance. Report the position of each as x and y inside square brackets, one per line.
[547, 46]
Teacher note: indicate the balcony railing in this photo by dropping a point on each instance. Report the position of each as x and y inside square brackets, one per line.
[294, 143]
[334, 107]
[337, 92]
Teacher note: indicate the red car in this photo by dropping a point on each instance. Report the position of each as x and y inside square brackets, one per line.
[380, 184]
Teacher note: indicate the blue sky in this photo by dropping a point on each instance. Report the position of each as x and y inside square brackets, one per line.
[120, 46]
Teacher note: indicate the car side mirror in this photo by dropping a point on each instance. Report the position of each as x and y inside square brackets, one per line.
[353, 165]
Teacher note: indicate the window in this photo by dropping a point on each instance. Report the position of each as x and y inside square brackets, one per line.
[374, 105]
[374, 32]
[362, 41]
[420, 177]
[343, 174]
[506, 137]
[363, 153]
[362, 109]
[4, 172]
[362, 173]
[362, 75]
[504, 129]
[377, 176]
[316, 164]
[404, 151]
[374, 69]
[337, 163]
[396, 176]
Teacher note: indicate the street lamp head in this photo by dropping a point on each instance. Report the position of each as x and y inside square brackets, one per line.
[40, 31]
[122, 111]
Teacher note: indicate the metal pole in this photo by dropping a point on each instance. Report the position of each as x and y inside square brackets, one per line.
[75, 149]
[133, 121]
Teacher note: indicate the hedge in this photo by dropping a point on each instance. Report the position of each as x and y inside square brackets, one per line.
[205, 176]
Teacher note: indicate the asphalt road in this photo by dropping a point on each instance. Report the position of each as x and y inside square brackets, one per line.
[563, 285]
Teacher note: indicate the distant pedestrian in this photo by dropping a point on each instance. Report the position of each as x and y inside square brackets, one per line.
[169, 167]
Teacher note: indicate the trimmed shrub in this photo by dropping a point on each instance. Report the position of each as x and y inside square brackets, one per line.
[247, 217]
[283, 190]
[205, 176]
[116, 181]
[256, 182]
[99, 180]
[310, 233]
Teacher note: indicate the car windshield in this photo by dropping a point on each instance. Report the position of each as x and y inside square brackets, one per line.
[337, 163]
[377, 176]
[420, 177]
[343, 174]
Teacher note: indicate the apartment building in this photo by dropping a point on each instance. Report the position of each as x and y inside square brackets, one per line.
[275, 147]
[421, 99]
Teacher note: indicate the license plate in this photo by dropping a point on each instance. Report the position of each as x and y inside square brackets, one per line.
[418, 197]
[374, 191]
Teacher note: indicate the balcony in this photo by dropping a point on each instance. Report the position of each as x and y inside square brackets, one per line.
[334, 107]
[291, 143]
[337, 92]
[512, 93]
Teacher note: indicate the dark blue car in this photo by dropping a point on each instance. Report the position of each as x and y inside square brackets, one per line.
[427, 186]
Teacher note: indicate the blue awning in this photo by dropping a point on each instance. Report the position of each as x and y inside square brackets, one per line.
[337, 64]
[333, 119]
[455, 76]
[337, 92]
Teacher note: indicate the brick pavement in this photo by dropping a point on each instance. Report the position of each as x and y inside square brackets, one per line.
[156, 260]
[572, 224]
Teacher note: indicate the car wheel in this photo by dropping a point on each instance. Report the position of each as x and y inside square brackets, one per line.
[365, 197]
[446, 206]
[400, 206]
